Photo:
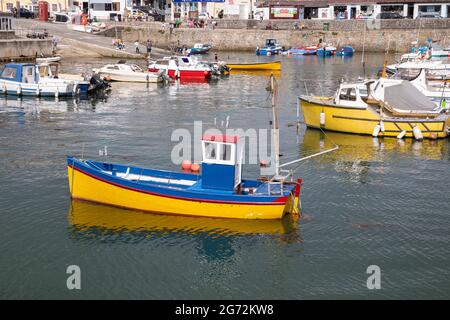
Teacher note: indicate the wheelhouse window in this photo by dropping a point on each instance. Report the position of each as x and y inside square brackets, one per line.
[210, 150]
[9, 73]
[348, 94]
[225, 152]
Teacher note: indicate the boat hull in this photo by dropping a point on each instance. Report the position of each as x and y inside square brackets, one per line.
[363, 121]
[256, 66]
[145, 78]
[43, 89]
[85, 186]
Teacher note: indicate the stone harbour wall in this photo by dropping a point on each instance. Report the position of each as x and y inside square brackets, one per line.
[25, 48]
[398, 39]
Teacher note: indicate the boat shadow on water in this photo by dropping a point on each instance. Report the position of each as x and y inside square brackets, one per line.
[96, 222]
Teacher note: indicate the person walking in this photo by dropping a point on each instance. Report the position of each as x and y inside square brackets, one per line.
[136, 47]
[149, 47]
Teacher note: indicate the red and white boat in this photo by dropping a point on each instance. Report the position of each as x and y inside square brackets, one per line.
[181, 67]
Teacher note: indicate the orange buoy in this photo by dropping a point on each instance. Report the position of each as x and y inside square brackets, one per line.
[195, 167]
[186, 164]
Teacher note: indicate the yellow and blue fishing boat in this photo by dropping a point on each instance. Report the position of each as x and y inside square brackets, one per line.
[218, 191]
[274, 65]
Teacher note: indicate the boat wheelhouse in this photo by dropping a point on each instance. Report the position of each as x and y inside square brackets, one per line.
[270, 47]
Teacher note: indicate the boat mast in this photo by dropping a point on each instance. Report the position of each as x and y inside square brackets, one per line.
[363, 52]
[275, 128]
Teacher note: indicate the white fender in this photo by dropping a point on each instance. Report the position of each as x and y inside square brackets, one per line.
[417, 133]
[376, 130]
[19, 90]
[401, 134]
[382, 126]
[322, 119]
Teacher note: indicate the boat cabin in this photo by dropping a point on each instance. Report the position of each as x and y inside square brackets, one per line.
[351, 95]
[222, 162]
[19, 72]
[271, 43]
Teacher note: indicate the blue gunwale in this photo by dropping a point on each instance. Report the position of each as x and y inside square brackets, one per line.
[191, 193]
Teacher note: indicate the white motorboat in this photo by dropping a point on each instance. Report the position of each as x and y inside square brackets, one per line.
[26, 79]
[181, 67]
[129, 73]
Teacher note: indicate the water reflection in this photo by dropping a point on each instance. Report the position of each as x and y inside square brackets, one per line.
[36, 105]
[84, 216]
[357, 148]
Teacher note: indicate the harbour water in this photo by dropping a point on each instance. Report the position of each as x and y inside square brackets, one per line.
[373, 202]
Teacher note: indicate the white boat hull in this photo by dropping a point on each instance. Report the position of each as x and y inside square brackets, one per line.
[46, 87]
[145, 77]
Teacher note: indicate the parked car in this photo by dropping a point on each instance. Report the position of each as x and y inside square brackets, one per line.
[389, 15]
[24, 13]
[153, 14]
[429, 15]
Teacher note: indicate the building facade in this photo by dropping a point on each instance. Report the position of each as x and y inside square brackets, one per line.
[353, 9]
[32, 5]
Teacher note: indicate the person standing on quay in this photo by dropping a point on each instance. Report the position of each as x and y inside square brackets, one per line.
[149, 47]
[136, 46]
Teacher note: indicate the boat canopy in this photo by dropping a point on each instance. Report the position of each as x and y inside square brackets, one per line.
[402, 95]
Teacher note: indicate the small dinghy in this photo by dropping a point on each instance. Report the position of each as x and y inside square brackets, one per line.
[48, 59]
[274, 65]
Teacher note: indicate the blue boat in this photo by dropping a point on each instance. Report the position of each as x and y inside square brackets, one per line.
[305, 51]
[271, 47]
[200, 48]
[326, 51]
[346, 51]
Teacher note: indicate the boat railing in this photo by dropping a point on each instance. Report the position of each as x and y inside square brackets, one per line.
[269, 183]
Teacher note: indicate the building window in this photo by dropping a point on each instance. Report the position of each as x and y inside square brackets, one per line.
[392, 8]
[107, 6]
[116, 6]
[9, 6]
[54, 7]
[433, 9]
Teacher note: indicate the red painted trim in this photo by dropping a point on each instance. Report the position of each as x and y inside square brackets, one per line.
[280, 200]
[220, 138]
